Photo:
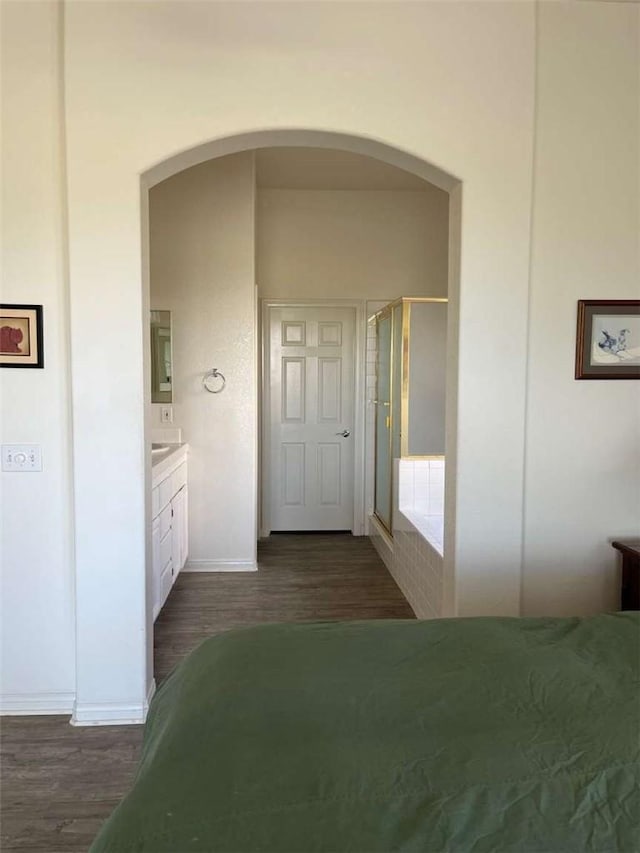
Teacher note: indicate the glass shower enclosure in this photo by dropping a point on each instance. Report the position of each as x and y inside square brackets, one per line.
[411, 343]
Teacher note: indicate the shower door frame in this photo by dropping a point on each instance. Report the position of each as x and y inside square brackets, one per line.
[404, 302]
[380, 315]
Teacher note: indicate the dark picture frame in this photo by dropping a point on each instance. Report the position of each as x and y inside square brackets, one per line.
[608, 339]
[21, 335]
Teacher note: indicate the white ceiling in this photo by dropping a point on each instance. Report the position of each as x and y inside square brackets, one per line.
[329, 169]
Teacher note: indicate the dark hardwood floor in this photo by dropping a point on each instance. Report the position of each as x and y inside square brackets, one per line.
[58, 783]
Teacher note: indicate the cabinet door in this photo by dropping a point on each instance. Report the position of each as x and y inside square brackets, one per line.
[166, 581]
[156, 565]
[184, 529]
[178, 530]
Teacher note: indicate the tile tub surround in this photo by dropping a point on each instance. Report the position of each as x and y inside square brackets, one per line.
[418, 534]
[430, 527]
[421, 486]
[417, 568]
[415, 555]
[381, 541]
[421, 497]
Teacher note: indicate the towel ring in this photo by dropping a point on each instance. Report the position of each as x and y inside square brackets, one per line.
[214, 373]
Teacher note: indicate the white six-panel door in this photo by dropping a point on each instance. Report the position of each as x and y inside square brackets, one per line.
[311, 371]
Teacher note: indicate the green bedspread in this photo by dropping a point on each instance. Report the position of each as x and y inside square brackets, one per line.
[448, 735]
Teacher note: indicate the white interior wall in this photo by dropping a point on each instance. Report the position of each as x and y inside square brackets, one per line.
[353, 244]
[147, 81]
[37, 668]
[583, 446]
[202, 270]
[211, 83]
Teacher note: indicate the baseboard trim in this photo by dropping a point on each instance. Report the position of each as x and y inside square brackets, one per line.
[35, 704]
[108, 714]
[220, 566]
[151, 692]
[113, 714]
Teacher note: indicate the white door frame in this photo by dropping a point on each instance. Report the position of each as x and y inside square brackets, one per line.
[264, 405]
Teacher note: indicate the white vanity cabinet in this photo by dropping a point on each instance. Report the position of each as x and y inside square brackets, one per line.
[169, 526]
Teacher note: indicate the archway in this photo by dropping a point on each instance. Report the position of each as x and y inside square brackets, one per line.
[484, 529]
[312, 139]
[297, 137]
[484, 473]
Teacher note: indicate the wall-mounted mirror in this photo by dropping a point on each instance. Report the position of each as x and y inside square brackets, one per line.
[161, 364]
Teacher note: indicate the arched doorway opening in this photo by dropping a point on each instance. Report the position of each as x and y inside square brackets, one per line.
[341, 142]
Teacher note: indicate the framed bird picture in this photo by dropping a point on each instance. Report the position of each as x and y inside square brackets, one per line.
[608, 339]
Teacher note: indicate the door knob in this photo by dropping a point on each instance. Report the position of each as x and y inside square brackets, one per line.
[345, 433]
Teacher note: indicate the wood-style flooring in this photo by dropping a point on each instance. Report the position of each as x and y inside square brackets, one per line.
[58, 783]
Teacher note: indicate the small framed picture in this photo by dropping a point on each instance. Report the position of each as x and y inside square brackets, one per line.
[608, 339]
[21, 336]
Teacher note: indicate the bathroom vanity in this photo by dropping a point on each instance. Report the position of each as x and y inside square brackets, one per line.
[169, 513]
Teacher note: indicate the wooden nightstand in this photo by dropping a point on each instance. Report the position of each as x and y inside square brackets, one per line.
[630, 586]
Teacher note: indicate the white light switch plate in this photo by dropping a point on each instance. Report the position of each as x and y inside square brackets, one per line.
[166, 414]
[21, 457]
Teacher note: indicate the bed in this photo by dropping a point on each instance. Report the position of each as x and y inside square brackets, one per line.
[481, 734]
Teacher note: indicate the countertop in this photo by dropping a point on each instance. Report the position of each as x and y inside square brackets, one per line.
[163, 463]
